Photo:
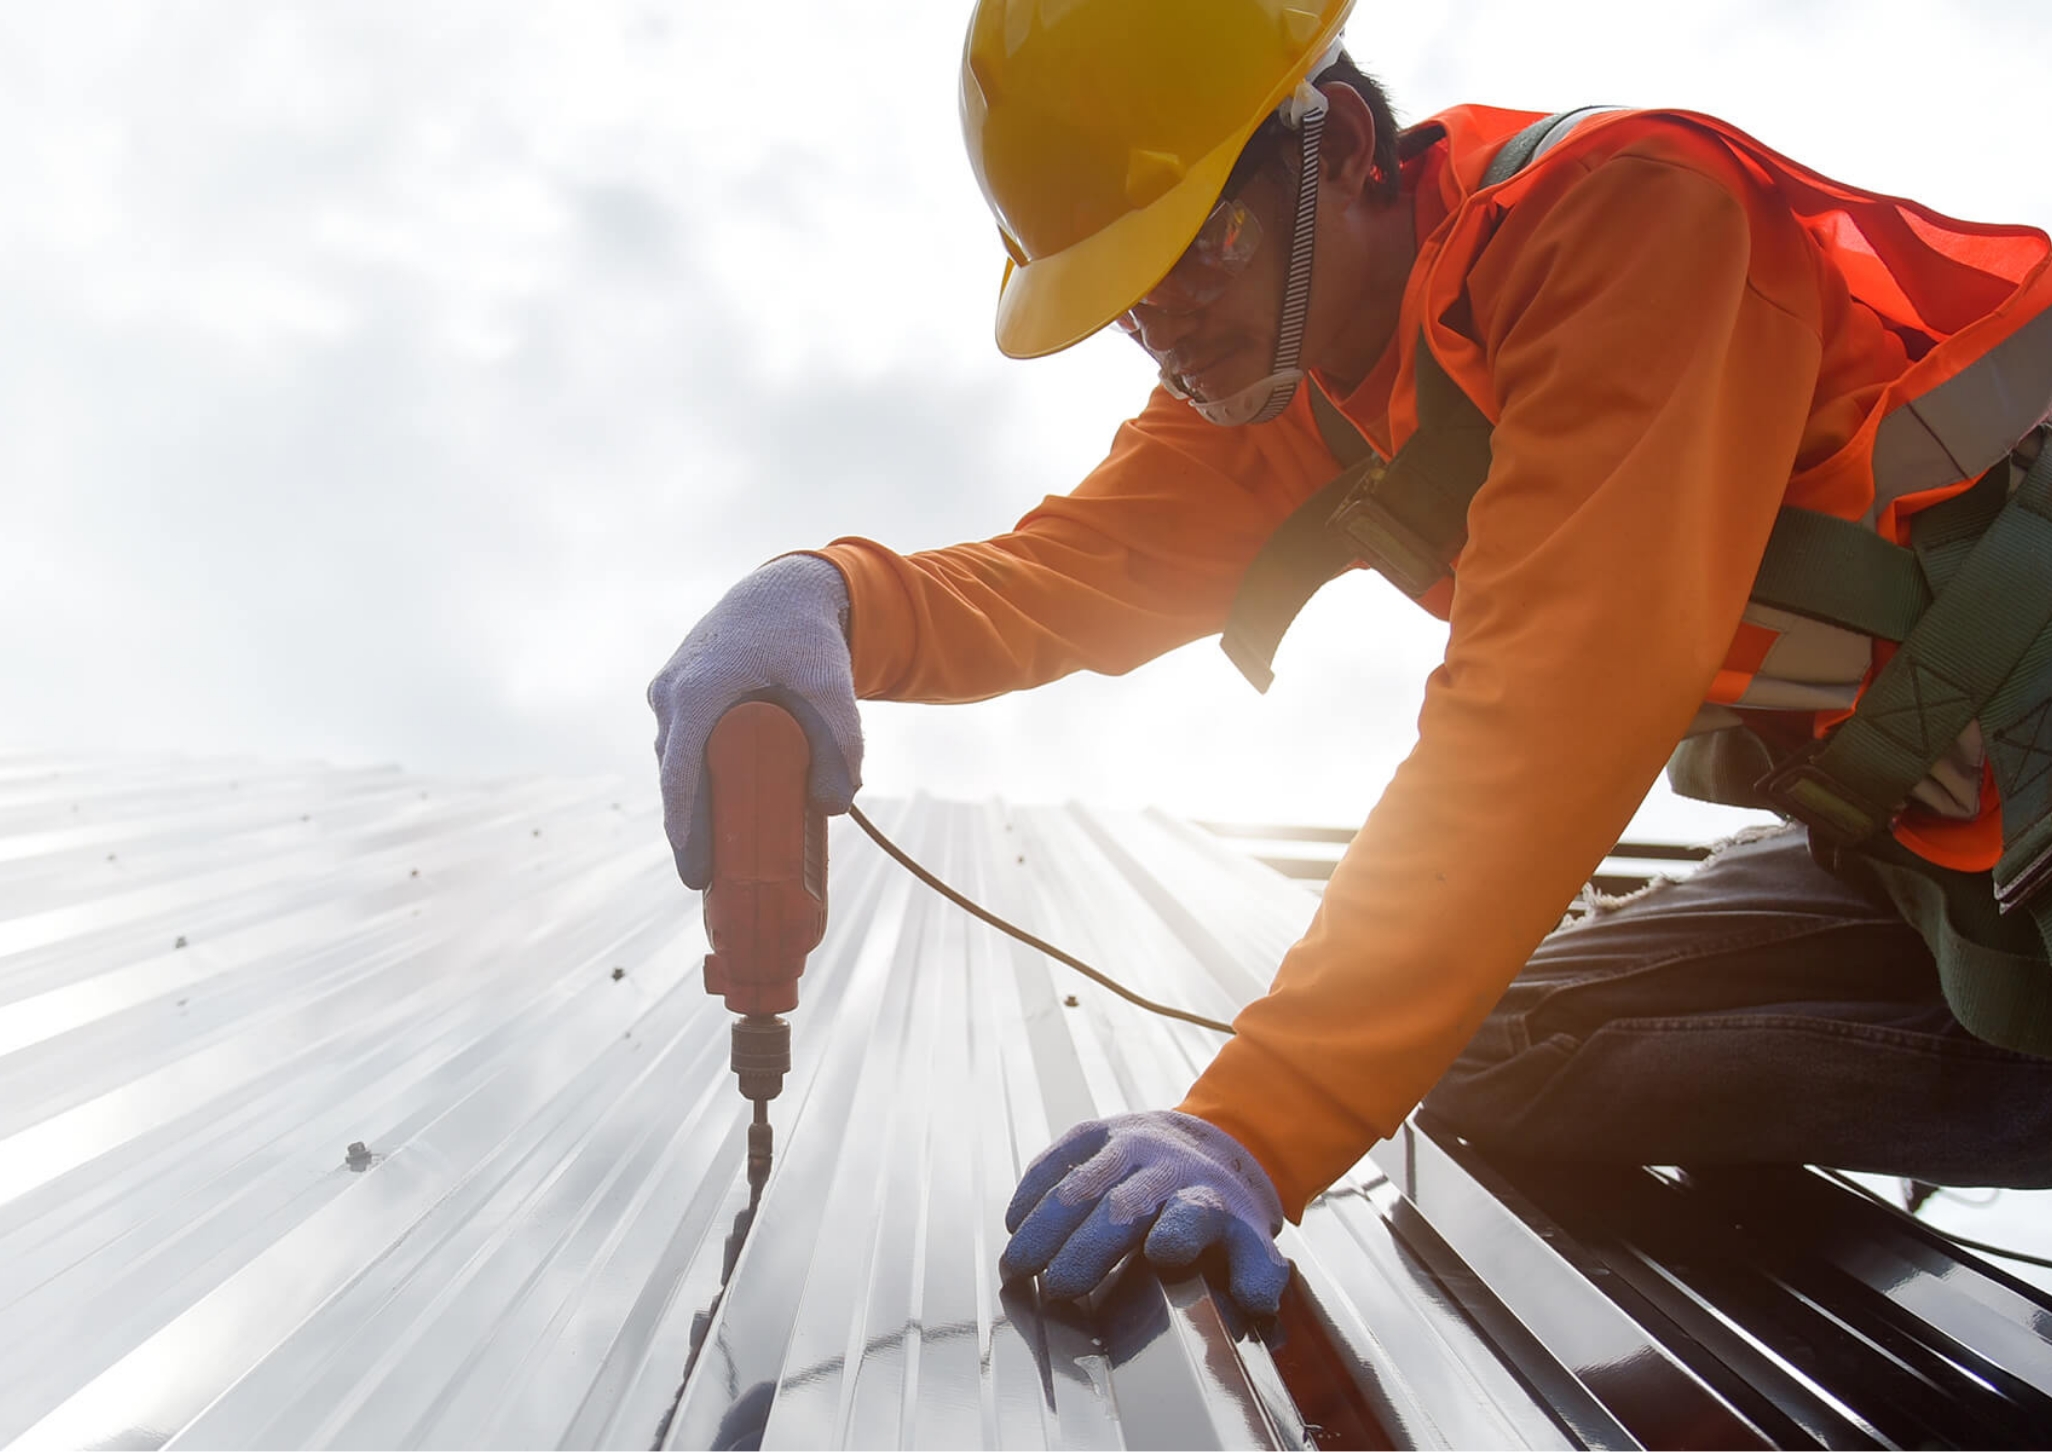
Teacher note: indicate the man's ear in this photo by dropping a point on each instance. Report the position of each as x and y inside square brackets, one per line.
[1346, 152]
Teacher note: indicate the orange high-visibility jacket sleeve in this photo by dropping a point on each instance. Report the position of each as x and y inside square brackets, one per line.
[1651, 333]
[1145, 555]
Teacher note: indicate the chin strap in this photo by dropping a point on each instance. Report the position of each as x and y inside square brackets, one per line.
[1260, 401]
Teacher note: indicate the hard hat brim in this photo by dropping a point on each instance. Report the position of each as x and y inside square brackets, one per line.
[1057, 301]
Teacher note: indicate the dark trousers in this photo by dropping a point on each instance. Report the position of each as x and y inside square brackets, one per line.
[1761, 1011]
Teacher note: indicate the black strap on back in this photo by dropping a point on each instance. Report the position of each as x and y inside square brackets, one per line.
[1300, 557]
[1345, 442]
[1294, 565]
[1534, 142]
[1407, 518]
[1410, 521]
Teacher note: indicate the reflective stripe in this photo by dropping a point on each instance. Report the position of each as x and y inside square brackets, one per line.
[1952, 788]
[1711, 718]
[1813, 652]
[1773, 695]
[1810, 667]
[1960, 428]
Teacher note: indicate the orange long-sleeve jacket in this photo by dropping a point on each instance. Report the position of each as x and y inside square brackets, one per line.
[1667, 346]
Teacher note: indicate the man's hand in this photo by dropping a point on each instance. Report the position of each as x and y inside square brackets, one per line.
[779, 635]
[1171, 1180]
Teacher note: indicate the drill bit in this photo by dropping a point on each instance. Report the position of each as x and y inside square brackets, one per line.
[759, 1147]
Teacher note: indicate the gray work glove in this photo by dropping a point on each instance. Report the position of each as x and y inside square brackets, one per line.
[778, 636]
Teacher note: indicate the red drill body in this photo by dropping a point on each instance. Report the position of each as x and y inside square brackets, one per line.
[765, 908]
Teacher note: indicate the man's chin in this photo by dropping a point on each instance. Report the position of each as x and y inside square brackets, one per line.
[1219, 381]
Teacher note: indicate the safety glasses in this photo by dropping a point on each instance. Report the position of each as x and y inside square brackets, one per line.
[1220, 252]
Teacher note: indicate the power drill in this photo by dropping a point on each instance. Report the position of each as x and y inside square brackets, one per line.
[766, 906]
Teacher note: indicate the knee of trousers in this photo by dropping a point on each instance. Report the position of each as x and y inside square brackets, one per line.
[1469, 1100]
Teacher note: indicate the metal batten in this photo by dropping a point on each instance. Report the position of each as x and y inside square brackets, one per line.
[427, 1136]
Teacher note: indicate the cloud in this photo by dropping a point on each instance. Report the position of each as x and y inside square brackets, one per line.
[384, 388]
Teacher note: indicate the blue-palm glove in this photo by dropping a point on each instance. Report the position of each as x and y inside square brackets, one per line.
[1167, 1180]
[779, 635]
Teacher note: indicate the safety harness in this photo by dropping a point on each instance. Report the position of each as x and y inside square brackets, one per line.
[1968, 605]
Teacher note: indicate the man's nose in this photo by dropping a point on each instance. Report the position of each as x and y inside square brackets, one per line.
[1159, 330]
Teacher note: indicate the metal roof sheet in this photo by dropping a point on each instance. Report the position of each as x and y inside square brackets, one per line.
[218, 980]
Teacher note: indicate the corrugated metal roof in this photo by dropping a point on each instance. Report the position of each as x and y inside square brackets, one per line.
[217, 979]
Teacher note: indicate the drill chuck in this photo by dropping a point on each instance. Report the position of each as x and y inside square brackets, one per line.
[762, 1055]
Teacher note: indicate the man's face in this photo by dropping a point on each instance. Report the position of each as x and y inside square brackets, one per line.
[1227, 342]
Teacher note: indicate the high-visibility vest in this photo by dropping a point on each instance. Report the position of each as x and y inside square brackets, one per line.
[1901, 621]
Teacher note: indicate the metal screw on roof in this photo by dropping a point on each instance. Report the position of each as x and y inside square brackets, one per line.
[359, 1157]
[618, 974]
[537, 831]
[181, 941]
[1071, 1001]
[414, 873]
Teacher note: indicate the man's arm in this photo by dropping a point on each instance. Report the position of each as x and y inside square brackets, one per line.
[1144, 556]
[1652, 337]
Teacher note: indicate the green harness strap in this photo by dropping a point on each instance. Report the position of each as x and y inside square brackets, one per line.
[1951, 665]
[1842, 573]
[1991, 965]
[1981, 650]
[1408, 518]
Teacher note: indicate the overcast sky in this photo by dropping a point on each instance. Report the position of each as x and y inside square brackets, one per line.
[399, 383]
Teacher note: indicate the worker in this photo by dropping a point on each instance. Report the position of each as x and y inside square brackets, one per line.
[1706, 459]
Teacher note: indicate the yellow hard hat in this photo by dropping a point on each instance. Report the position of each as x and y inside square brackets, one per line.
[1103, 131]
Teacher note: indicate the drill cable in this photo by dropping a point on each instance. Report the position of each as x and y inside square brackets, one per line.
[1889, 1205]
[898, 855]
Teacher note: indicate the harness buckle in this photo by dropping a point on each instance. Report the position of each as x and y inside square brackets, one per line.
[1834, 812]
[2026, 864]
[2012, 893]
[1405, 557]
